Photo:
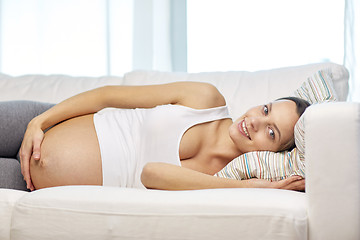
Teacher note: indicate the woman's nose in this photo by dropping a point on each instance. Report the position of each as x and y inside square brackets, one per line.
[256, 123]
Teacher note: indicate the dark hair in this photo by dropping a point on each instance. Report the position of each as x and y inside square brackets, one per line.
[301, 105]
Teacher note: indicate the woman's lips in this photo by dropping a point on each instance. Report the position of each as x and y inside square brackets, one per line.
[243, 129]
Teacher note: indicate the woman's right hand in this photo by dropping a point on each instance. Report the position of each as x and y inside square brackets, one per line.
[30, 148]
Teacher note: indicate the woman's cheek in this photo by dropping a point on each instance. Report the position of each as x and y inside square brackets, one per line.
[263, 144]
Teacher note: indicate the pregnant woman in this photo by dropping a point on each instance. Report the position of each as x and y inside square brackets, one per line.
[170, 136]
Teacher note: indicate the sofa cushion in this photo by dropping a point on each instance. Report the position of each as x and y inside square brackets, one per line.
[91, 212]
[8, 199]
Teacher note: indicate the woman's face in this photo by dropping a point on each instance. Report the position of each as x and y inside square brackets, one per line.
[267, 127]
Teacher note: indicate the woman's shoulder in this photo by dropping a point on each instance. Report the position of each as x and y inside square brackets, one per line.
[202, 95]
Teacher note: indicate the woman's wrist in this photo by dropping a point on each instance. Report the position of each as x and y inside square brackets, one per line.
[37, 122]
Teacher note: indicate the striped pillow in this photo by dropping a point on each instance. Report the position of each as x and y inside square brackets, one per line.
[317, 89]
[279, 165]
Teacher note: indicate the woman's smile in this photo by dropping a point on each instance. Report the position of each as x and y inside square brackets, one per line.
[243, 129]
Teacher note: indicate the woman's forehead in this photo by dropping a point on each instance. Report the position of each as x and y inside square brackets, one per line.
[284, 115]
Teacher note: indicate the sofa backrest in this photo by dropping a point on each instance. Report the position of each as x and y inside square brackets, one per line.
[241, 89]
[49, 88]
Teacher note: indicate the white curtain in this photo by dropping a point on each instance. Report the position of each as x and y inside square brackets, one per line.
[351, 50]
[152, 35]
[86, 37]
[259, 34]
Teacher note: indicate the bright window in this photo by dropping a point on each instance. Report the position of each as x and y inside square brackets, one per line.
[81, 37]
[261, 34]
[51, 36]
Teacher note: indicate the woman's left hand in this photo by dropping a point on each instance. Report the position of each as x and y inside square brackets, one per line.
[296, 183]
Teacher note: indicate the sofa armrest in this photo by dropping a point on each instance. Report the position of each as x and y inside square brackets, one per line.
[332, 141]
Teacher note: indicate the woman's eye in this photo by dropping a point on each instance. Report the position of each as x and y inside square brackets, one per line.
[272, 133]
[266, 110]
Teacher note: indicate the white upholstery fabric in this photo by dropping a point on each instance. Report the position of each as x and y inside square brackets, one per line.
[52, 88]
[332, 136]
[89, 212]
[8, 199]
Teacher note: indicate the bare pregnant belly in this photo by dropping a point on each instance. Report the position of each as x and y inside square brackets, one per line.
[70, 155]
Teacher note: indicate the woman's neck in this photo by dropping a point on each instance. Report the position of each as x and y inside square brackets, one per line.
[223, 146]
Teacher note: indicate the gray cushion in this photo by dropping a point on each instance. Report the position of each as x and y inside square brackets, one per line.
[10, 174]
[14, 118]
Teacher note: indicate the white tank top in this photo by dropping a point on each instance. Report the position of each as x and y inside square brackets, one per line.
[130, 138]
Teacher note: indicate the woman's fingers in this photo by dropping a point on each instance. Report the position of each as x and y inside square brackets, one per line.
[25, 165]
[36, 149]
[30, 148]
[296, 183]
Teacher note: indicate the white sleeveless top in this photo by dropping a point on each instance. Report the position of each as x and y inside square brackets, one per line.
[130, 138]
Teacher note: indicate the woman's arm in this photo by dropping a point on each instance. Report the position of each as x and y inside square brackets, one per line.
[192, 94]
[170, 177]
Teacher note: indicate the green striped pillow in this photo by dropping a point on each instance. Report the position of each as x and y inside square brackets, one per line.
[279, 165]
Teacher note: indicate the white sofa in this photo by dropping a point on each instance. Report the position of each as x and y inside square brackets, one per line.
[330, 208]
